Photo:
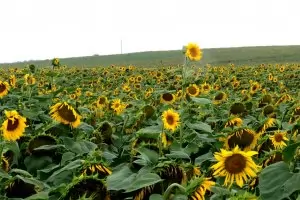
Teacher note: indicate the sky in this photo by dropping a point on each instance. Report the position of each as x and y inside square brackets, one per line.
[44, 29]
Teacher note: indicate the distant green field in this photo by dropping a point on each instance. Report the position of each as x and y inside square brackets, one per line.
[217, 56]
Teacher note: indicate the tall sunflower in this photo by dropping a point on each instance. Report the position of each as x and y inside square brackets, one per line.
[278, 139]
[66, 114]
[171, 119]
[14, 126]
[235, 165]
[4, 88]
[193, 52]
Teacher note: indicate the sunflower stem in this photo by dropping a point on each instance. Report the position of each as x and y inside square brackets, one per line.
[170, 188]
[182, 97]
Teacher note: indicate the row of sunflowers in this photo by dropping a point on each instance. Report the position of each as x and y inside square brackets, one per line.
[160, 133]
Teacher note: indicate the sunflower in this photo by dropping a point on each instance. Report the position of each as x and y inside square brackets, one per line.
[96, 168]
[193, 52]
[143, 193]
[269, 122]
[12, 80]
[102, 102]
[118, 106]
[246, 139]
[270, 77]
[4, 164]
[220, 97]
[198, 187]
[14, 126]
[235, 121]
[167, 98]
[193, 90]
[269, 109]
[29, 79]
[255, 86]
[278, 139]
[170, 119]
[235, 165]
[4, 88]
[66, 114]
[237, 108]
[205, 87]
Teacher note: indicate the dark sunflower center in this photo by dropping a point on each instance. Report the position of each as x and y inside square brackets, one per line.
[206, 87]
[237, 108]
[12, 124]
[170, 119]
[167, 97]
[219, 96]
[66, 113]
[101, 100]
[297, 111]
[235, 164]
[193, 52]
[192, 90]
[2, 87]
[278, 137]
[243, 140]
[254, 87]
[117, 105]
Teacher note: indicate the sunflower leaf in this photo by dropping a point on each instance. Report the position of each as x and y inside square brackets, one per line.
[38, 196]
[274, 187]
[208, 156]
[143, 180]
[200, 126]
[289, 151]
[156, 197]
[201, 101]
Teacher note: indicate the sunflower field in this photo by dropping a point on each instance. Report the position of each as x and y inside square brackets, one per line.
[184, 132]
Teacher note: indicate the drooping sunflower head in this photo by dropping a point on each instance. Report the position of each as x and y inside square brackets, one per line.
[88, 187]
[278, 139]
[4, 88]
[14, 126]
[267, 110]
[197, 188]
[12, 80]
[4, 164]
[193, 90]
[170, 119]
[234, 121]
[40, 140]
[167, 98]
[143, 193]
[220, 97]
[17, 188]
[102, 102]
[91, 168]
[193, 52]
[245, 138]
[171, 172]
[267, 123]
[274, 158]
[236, 166]
[237, 108]
[266, 99]
[65, 114]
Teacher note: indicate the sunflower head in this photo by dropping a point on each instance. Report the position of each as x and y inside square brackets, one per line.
[237, 108]
[38, 141]
[17, 188]
[278, 139]
[102, 102]
[167, 98]
[235, 166]
[198, 186]
[246, 139]
[14, 126]
[98, 168]
[170, 119]
[4, 88]
[193, 52]
[193, 90]
[267, 123]
[88, 187]
[65, 114]
[234, 121]
[267, 110]
[171, 172]
[4, 163]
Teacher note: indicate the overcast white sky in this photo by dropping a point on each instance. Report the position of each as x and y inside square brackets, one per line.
[41, 29]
